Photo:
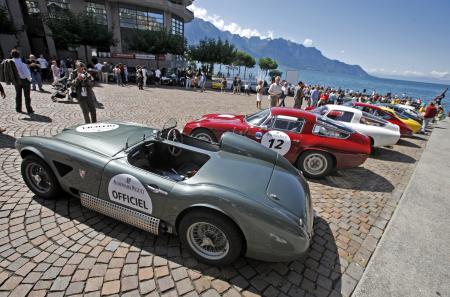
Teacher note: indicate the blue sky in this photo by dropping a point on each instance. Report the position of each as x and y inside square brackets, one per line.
[389, 38]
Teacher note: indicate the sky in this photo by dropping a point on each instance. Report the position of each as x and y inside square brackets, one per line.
[407, 39]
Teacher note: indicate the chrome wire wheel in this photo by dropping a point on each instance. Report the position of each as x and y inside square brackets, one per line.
[38, 177]
[315, 164]
[208, 241]
[204, 136]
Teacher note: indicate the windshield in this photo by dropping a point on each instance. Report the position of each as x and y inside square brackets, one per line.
[258, 118]
[143, 133]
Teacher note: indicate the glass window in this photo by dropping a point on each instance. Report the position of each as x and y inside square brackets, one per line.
[258, 118]
[340, 115]
[177, 26]
[98, 11]
[140, 19]
[289, 125]
[32, 7]
[65, 4]
[368, 119]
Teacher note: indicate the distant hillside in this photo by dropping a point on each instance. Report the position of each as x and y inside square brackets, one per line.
[288, 54]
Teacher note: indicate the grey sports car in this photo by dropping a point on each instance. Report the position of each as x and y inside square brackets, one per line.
[226, 200]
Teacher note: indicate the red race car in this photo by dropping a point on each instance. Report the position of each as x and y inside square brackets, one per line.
[314, 144]
[381, 113]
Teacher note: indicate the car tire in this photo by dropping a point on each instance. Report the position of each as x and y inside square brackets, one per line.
[222, 232]
[43, 182]
[204, 134]
[315, 164]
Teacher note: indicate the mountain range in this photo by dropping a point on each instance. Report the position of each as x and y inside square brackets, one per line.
[289, 55]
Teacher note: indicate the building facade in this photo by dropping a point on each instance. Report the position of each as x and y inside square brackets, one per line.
[123, 17]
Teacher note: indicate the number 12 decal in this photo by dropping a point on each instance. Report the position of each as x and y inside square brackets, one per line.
[279, 146]
[277, 141]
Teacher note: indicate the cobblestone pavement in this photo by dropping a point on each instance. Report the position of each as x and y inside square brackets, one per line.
[58, 248]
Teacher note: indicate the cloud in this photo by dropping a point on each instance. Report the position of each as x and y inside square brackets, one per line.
[308, 42]
[342, 51]
[234, 28]
[440, 74]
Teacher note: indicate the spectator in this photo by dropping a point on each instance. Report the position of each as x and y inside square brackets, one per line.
[36, 76]
[122, 74]
[157, 76]
[98, 67]
[125, 71]
[24, 84]
[44, 67]
[275, 92]
[145, 75]
[63, 71]
[202, 81]
[259, 93]
[105, 70]
[239, 85]
[428, 116]
[247, 88]
[298, 95]
[323, 99]
[189, 79]
[140, 78]
[2, 93]
[117, 75]
[284, 93]
[82, 83]
[235, 85]
[314, 97]
[55, 72]
[223, 85]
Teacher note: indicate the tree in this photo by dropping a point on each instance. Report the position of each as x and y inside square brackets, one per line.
[158, 42]
[211, 51]
[69, 29]
[267, 64]
[6, 26]
[275, 73]
[249, 62]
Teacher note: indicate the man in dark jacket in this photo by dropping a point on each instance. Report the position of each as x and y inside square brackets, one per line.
[82, 82]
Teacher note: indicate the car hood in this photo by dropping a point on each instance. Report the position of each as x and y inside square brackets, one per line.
[106, 138]
[223, 118]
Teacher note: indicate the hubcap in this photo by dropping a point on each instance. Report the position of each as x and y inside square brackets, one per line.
[315, 164]
[204, 137]
[39, 178]
[208, 241]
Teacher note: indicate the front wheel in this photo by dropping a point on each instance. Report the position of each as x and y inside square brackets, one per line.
[211, 238]
[204, 134]
[315, 164]
[39, 177]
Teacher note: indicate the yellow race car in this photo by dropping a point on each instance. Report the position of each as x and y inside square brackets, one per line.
[412, 124]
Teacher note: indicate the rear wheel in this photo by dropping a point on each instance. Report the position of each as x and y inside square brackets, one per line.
[39, 177]
[212, 238]
[315, 164]
[204, 134]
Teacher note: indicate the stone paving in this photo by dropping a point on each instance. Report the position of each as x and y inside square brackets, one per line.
[58, 248]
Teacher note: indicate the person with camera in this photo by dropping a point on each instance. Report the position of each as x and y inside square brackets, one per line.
[82, 83]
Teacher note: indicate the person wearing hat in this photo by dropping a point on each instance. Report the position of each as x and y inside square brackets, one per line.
[82, 82]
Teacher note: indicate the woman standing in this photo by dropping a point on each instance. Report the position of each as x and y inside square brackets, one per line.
[140, 78]
[82, 83]
[259, 93]
[56, 73]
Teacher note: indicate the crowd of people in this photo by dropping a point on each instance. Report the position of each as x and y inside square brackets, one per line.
[30, 74]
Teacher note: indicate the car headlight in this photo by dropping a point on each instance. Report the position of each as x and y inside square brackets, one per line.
[329, 132]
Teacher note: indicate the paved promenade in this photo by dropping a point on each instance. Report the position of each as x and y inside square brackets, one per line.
[412, 258]
[58, 248]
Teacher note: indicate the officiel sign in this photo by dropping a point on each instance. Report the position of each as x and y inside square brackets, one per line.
[128, 190]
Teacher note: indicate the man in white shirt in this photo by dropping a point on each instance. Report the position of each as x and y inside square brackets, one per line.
[275, 92]
[144, 74]
[25, 83]
[158, 76]
[44, 67]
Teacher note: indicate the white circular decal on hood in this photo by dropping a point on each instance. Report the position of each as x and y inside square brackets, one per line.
[97, 127]
[127, 190]
[277, 141]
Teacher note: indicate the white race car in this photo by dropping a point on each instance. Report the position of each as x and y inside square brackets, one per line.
[380, 132]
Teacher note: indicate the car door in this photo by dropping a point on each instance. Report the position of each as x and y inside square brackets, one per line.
[281, 134]
[135, 188]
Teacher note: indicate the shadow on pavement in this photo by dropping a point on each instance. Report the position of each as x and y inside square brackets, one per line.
[38, 118]
[351, 179]
[7, 141]
[392, 156]
[319, 273]
[407, 143]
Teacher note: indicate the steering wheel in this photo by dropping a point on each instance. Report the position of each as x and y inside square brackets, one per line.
[175, 136]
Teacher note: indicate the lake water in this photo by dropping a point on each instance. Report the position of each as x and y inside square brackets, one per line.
[426, 91]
